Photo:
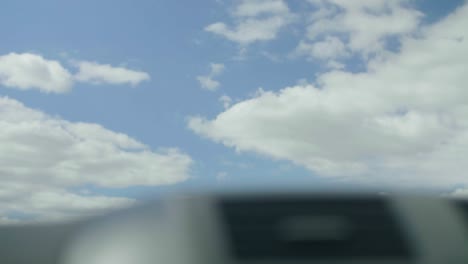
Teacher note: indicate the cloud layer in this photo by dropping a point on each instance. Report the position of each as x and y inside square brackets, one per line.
[402, 121]
[42, 157]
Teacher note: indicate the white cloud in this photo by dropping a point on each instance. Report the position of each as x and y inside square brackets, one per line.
[207, 82]
[216, 69]
[403, 121]
[333, 64]
[260, 7]
[47, 155]
[364, 27]
[249, 30]
[256, 20]
[25, 71]
[226, 101]
[330, 48]
[95, 73]
[31, 71]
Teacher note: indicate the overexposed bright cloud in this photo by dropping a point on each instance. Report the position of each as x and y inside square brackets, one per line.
[208, 82]
[256, 20]
[47, 155]
[402, 121]
[95, 73]
[25, 71]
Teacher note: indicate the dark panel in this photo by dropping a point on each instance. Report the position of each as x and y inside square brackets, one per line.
[462, 206]
[312, 228]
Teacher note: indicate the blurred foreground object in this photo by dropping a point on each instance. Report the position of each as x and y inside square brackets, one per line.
[254, 228]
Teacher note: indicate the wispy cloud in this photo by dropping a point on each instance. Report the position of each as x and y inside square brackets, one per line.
[95, 73]
[256, 20]
[226, 101]
[29, 71]
[208, 82]
[339, 28]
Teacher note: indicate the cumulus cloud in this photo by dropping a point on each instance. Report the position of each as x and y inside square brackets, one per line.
[26, 71]
[402, 121]
[360, 27]
[42, 157]
[256, 20]
[31, 71]
[208, 82]
[96, 73]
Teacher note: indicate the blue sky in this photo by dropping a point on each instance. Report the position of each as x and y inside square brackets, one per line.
[145, 61]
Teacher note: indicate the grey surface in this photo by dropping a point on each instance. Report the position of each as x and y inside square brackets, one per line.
[38, 244]
[188, 229]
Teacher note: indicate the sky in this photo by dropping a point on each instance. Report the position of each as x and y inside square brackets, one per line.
[107, 103]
